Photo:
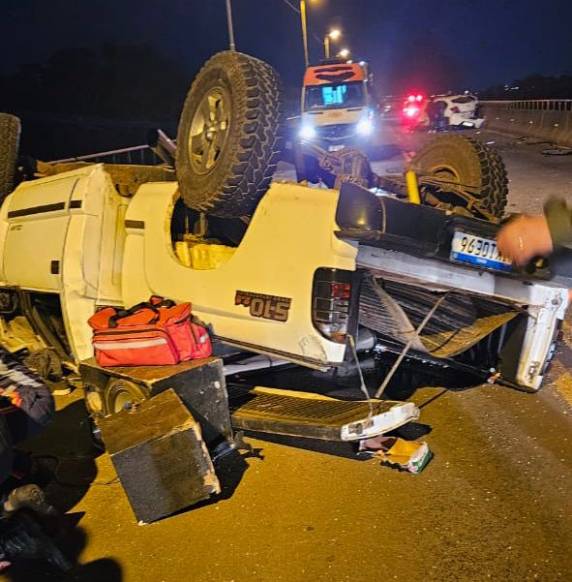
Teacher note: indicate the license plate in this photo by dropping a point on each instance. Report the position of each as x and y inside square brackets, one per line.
[335, 148]
[478, 251]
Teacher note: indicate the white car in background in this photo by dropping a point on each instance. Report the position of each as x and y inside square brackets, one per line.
[460, 110]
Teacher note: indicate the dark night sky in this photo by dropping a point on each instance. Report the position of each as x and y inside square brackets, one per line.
[461, 43]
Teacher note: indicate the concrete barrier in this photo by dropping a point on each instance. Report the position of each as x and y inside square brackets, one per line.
[548, 119]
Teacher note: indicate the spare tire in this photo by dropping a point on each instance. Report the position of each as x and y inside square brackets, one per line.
[229, 137]
[9, 144]
[469, 163]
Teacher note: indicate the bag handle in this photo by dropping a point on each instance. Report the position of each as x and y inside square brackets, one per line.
[154, 304]
[158, 301]
[123, 313]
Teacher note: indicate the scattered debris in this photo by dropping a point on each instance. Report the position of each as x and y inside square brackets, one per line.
[530, 140]
[557, 151]
[411, 456]
[46, 363]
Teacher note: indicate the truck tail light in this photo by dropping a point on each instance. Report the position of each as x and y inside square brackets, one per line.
[331, 303]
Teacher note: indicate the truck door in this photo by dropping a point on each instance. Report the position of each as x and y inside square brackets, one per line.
[36, 219]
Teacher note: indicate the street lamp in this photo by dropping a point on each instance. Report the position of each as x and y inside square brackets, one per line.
[332, 35]
[344, 53]
[304, 31]
[304, 22]
[230, 25]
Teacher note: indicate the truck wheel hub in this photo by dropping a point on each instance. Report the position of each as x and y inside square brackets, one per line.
[209, 130]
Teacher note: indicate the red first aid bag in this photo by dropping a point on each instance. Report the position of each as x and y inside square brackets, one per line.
[153, 333]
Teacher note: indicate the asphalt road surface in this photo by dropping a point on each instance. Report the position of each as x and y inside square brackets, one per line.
[495, 502]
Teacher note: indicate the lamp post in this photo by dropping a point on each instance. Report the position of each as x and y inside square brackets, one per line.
[344, 53]
[304, 31]
[332, 35]
[230, 25]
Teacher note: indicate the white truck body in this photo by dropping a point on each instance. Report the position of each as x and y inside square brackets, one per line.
[291, 233]
[72, 235]
[64, 234]
[93, 247]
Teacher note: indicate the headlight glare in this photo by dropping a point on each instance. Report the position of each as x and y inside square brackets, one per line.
[307, 132]
[365, 127]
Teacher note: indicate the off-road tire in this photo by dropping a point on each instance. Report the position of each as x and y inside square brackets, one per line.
[9, 144]
[472, 163]
[244, 168]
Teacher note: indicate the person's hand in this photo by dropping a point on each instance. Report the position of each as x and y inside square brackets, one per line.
[524, 238]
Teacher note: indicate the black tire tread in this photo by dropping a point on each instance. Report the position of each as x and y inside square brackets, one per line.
[486, 164]
[236, 187]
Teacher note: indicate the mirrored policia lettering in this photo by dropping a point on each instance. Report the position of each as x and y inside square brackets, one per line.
[265, 306]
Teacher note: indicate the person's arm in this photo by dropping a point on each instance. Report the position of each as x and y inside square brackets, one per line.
[524, 238]
[527, 237]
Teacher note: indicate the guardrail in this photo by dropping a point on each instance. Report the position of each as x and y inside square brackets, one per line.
[142, 154]
[547, 119]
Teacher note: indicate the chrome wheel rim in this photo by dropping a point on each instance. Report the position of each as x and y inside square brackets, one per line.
[209, 130]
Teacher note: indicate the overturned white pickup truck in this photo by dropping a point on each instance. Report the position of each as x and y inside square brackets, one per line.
[288, 270]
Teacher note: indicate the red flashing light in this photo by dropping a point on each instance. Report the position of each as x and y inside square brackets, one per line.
[411, 111]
